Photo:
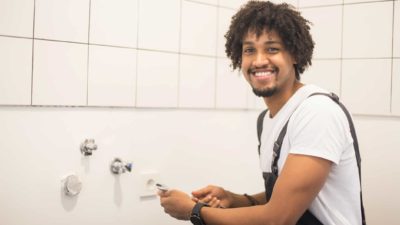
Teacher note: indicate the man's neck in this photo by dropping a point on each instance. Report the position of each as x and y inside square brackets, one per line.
[278, 100]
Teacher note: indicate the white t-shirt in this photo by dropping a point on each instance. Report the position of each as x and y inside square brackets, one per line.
[318, 127]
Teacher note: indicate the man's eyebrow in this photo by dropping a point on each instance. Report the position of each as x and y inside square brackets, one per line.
[272, 42]
[266, 43]
[248, 43]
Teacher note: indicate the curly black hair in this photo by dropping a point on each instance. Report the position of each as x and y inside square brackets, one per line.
[260, 16]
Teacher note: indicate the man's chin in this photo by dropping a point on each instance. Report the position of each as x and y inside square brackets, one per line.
[264, 92]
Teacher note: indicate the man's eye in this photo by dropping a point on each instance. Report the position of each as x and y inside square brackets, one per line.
[272, 50]
[248, 50]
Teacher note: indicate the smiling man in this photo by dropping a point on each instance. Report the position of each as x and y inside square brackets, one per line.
[308, 151]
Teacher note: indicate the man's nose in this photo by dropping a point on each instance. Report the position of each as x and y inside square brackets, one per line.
[261, 59]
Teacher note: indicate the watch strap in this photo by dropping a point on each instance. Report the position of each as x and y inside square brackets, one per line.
[195, 216]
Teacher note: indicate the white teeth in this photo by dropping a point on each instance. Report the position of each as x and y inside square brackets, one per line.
[262, 74]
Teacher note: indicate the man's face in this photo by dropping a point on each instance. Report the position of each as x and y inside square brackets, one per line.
[266, 65]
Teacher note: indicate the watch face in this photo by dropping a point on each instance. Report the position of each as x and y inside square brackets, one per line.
[196, 220]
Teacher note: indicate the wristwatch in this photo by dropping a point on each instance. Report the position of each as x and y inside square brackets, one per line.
[195, 217]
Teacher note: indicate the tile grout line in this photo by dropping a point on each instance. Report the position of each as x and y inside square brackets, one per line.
[391, 69]
[341, 54]
[172, 52]
[33, 48]
[179, 55]
[339, 4]
[216, 54]
[88, 56]
[135, 101]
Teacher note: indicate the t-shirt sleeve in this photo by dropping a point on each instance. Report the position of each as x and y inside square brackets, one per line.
[319, 128]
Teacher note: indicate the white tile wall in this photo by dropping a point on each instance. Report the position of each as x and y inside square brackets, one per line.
[163, 33]
[234, 4]
[326, 30]
[157, 83]
[197, 82]
[16, 17]
[306, 3]
[59, 73]
[231, 87]
[366, 85]
[66, 20]
[396, 32]
[112, 76]
[114, 22]
[396, 87]
[224, 21]
[365, 34]
[190, 27]
[15, 71]
[324, 73]
[199, 28]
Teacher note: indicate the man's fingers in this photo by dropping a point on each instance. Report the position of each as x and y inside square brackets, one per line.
[201, 193]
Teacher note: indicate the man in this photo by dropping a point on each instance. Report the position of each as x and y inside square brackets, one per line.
[317, 167]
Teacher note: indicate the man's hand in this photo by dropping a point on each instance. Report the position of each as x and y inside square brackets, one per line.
[213, 196]
[177, 204]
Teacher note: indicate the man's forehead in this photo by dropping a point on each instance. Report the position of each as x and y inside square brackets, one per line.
[270, 35]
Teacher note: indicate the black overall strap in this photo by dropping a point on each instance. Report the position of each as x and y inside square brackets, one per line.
[277, 149]
[260, 121]
[335, 98]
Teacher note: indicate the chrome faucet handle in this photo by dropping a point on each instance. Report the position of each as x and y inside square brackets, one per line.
[118, 166]
[72, 186]
[88, 146]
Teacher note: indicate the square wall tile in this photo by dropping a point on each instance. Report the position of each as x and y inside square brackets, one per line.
[15, 71]
[197, 82]
[66, 20]
[157, 83]
[234, 4]
[199, 29]
[307, 3]
[396, 87]
[324, 73]
[151, 29]
[366, 35]
[224, 21]
[231, 87]
[396, 32]
[112, 76]
[366, 86]
[326, 30]
[114, 22]
[59, 73]
[16, 17]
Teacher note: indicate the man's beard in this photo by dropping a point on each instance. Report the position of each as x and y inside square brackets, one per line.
[264, 92]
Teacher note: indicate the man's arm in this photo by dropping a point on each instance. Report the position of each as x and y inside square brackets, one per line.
[239, 200]
[219, 197]
[301, 179]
